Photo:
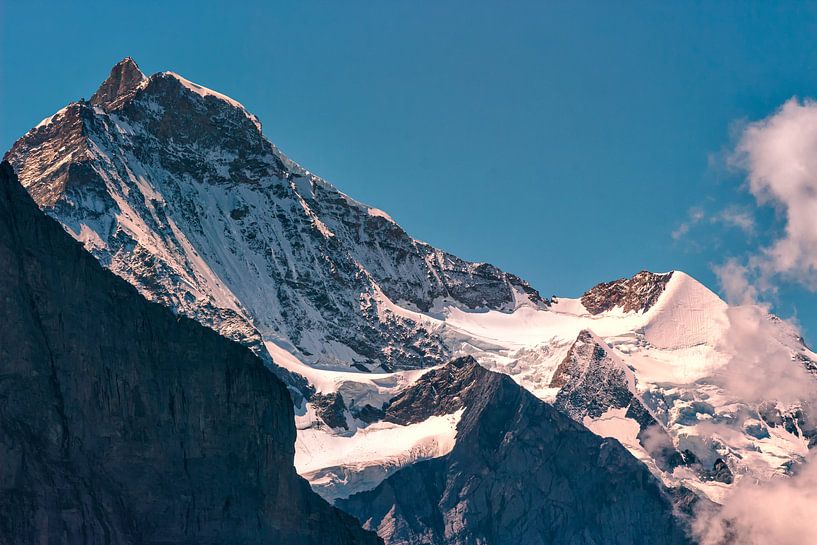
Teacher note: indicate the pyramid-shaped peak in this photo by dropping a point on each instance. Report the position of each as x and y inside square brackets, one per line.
[123, 81]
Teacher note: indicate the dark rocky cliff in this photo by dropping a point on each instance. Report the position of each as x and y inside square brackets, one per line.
[520, 473]
[120, 423]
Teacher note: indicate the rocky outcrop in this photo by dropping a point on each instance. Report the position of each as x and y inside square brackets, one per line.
[521, 472]
[120, 423]
[636, 294]
[591, 379]
[794, 419]
[331, 409]
[438, 392]
[121, 85]
[175, 188]
[721, 472]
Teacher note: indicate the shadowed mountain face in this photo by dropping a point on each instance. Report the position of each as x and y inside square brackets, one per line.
[120, 423]
[521, 472]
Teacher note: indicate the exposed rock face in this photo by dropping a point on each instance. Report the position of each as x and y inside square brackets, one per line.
[120, 423]
[521, 472]
[120, 86]
[636, 294]
[331, 409]
[438, 392]
[721, 472]
[591, 379]
[174, 187]
[795, 420]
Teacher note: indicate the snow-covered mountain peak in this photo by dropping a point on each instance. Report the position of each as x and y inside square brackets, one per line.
[174, 187]
[686, 314]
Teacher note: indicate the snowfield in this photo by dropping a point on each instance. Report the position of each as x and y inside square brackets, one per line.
[338, 465]
[674, 350]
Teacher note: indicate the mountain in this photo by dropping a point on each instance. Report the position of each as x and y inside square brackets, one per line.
[521, 472]
[175, 188]
[120, 423]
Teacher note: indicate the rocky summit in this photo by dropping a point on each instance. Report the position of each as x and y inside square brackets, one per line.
[636, 294]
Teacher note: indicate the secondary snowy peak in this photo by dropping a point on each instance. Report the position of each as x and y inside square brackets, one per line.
[597, 389]
[693, 359]
[686, 314]
[121, 85]
[636, 294]
[175, 188]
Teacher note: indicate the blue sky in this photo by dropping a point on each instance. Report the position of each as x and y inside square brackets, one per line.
[570, 143]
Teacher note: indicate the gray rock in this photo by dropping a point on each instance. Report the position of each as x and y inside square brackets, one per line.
[720, 472]
[331, 409]
[521, 473]
[590, 379]
[636, 294]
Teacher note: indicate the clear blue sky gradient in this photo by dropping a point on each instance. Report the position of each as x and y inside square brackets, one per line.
[564, 142]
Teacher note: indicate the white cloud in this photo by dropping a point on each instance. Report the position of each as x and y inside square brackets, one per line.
[735, 283]
[779, 155]
[781, 510]
[762, 368]
[778, 512]
[732, 216]
[735, 216]
[695, 215]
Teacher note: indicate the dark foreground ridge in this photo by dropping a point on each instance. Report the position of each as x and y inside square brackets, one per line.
[520, 473]
[120, 423]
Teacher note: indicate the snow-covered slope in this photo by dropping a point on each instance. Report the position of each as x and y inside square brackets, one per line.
[175, 188]
[729, 388]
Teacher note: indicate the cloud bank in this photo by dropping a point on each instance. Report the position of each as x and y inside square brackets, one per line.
[778, 512]
[779, 156]
[763, 368]
[783, 510]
